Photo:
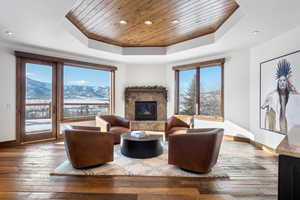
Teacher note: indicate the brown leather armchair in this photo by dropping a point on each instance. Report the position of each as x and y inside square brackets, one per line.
[88, 147]
[197, 151]
[113, 124]
[177, 124]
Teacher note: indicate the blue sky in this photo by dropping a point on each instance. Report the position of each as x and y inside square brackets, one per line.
[72, 75]
[209, 76]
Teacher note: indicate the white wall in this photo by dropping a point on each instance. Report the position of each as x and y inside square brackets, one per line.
[236, 88]
[7, 91]
[284, 44]
[139, 75]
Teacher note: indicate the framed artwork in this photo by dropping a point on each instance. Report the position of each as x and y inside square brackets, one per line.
[279, 94]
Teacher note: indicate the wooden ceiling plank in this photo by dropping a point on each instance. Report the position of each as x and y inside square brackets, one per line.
[136, 17]
[131, 17]
[183, 24]
[105, 13]
[76, 23]
[158, 23]
[226, 17]
[89, 10]
[179, 37]
[156, 15]
[77, 4]
[210, 18]
[99, 20]
[82, 7]
[97, 13]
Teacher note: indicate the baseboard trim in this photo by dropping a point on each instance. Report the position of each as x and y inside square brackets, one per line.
[43, 141]
[10, 143]
[252, 142]
[14, 143]
[237, 138]
[263, 147]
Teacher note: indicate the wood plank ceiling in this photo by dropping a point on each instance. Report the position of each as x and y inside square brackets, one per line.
[173, 21]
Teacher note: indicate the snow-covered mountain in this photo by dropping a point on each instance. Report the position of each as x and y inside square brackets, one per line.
[42, 90]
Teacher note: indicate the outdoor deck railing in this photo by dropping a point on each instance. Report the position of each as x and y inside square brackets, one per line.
[71, 110]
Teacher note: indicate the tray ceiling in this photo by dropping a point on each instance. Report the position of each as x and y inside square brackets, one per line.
[173, 21]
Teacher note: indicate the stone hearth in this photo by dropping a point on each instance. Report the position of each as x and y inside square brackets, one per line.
[151, 95]
[148, 126]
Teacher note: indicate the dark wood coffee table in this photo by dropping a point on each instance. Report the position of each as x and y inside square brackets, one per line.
[146, 147]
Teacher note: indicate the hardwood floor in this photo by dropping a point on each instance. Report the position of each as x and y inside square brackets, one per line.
[24, 174]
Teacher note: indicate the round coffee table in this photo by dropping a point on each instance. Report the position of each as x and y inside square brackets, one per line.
[146, 147]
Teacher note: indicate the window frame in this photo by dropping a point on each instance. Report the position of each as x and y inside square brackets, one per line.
[197, 67]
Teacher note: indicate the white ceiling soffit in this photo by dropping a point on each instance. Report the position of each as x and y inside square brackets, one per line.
[189, 44]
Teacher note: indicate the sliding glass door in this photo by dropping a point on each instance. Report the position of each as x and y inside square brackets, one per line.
[54, 92]
[38, 100]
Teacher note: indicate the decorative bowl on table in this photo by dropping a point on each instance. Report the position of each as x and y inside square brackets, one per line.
[138, 134]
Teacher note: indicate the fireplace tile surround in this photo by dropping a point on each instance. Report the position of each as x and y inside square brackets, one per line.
[145, 95]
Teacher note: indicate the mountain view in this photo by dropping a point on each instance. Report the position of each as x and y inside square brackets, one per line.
[37, 90]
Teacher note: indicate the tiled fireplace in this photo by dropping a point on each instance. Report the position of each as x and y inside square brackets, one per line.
[146, 108]
[143, 103]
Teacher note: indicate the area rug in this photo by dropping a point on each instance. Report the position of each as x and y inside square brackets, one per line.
[124, 166]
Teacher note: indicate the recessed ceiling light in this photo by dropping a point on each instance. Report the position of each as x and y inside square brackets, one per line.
[175, 21]
[123, 22]
[9, 33]
[147, 22]
[256, 32]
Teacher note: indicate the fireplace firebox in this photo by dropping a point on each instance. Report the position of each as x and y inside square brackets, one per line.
[145, 110]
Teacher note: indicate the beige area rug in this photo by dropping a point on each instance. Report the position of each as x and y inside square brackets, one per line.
[124, 166]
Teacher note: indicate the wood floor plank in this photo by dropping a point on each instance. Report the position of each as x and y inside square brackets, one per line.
[25, 174]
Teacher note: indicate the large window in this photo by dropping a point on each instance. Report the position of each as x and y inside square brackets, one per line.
[86, 92]
[199, 90]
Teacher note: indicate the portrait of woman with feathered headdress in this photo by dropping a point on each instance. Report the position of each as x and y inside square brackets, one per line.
[276, 102]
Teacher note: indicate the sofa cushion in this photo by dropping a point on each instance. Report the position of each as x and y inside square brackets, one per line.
[119, 129]
[178, 130]
[175, 122]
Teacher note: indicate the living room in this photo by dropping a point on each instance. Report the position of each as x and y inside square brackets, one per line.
[149, 99]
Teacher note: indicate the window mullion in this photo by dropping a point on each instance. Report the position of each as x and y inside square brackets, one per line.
[197, 96]
[177, 96]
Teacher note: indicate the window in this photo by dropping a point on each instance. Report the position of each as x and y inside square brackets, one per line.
[86, 92]
[199, 90]
[210, 91]
[187, 92]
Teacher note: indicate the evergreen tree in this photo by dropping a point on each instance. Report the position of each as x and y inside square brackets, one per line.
[188, 100]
